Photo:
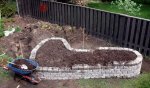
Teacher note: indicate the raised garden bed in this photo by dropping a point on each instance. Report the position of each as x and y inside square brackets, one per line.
[59, 60]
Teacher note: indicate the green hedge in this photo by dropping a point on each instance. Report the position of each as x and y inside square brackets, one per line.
[8, 8]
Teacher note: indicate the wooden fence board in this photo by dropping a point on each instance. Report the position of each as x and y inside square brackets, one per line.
[94, 22]
[99, 24]
[63, 15]
[71, 16]
[142, 34]
[87, 21]
[116, 28]
[139, 24]
[107, 25]
[121, 30]
[147, 42]
[84, 17]
[49, 12]
[132, 32]
[103, 23]
[127, 31]
[111, 26]
[91, 21]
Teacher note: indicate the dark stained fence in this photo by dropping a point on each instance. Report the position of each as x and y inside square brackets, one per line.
[122, 30]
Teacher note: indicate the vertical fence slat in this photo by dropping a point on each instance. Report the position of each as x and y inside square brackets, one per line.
[91, 21]
[87, 21]
[147, 41]
[74, 14]
[111, 26]
[84, 17]
[63, 14]
[36, 9]
[99, 24]
[58, 13]
[138, 32]
[94, 29]
[77, 17]
[69, 16]
[49, 12]
[132, 33]
[66, 15]
[116, 28]
[121, 30]
[142, 35]
[55, 15]
[127, 32]
[107, 25]
[103, 24]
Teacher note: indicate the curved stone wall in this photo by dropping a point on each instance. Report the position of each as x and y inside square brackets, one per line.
[119, 70]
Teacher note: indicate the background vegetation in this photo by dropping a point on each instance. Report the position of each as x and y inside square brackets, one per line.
[143, 81]
[8, 8]
[143, 13]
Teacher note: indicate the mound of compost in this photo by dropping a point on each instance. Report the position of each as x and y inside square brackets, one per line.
[54, 54]
[20, 62]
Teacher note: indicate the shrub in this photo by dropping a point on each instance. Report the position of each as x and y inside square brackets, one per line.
[128, 5]
[8, 8]
[1, 26]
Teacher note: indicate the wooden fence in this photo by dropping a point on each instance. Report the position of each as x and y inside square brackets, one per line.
[122, 30]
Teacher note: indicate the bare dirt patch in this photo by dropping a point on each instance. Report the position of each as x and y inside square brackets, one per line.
[146, 65]
[33, 32]
[43, 84]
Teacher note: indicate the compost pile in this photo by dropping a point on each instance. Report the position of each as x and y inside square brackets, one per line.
[22, 62]
[54, 53]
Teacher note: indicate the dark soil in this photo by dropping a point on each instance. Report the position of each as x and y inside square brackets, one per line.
[20, 62]
[146, 65]
[54, 53]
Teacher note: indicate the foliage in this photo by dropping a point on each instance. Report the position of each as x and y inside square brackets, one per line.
[4, 59]
[18, 29]
[8, 8]
[144, 12]
[1, 26]
[5, 20]
[144, 81]
[128, 5]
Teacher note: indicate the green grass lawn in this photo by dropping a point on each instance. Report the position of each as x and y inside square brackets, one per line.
[144, 13]
[143, 81]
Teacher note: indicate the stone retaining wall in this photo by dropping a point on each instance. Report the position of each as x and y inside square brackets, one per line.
[118, 69]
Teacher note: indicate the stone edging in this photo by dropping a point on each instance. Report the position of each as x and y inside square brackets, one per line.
[128, 70]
